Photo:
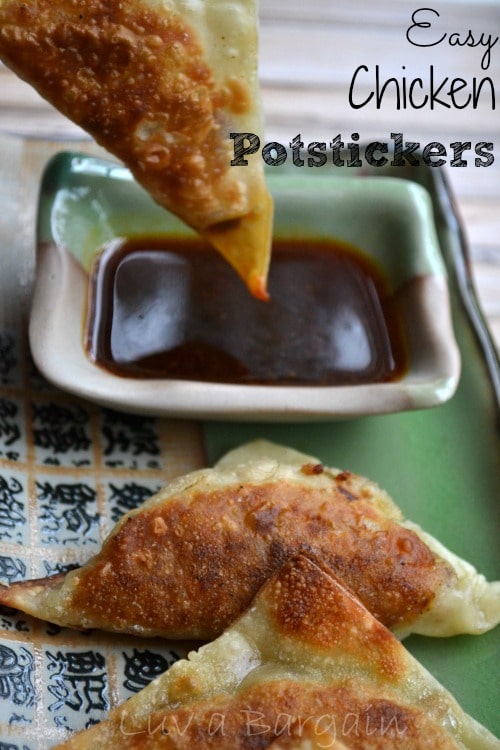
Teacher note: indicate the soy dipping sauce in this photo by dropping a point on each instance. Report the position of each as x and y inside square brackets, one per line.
[173, 308]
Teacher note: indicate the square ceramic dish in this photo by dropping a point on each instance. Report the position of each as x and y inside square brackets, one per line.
[86, 203]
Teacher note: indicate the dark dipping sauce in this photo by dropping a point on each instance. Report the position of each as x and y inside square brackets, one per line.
[173, 308]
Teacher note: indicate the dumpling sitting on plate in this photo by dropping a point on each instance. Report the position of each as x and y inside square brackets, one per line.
[161, 86]
[189, 561]
[305, 659]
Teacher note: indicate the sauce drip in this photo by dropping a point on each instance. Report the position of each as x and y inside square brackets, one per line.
[172, 308]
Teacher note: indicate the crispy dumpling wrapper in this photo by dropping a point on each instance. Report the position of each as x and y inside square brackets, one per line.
[160, 84]
[319, 735]
[189, 561]
[304, 667]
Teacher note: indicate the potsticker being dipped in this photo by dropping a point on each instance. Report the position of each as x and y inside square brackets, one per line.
[306, 666]
[161, 85]
[188, 561]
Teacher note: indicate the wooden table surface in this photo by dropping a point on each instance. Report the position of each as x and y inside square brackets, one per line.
[309, 54]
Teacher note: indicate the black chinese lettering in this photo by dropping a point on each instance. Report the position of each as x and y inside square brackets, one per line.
[11, 569]
[9, 427]
[52, 568]
[65, 512]
[12, 746]
[16, 676]
[12, 518]
[129, 433]
[78, 681]
[141, 667]
[127, 497]
[60, 429]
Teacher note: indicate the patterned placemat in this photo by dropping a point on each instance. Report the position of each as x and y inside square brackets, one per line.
[68, 471]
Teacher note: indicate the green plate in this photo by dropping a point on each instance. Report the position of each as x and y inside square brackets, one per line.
[442, 466]
[68, 469]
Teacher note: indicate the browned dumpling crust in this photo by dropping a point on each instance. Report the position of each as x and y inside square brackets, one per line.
[161, 88]
[188, 569]
[307, 664]
[277, 709]
[188, 561]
